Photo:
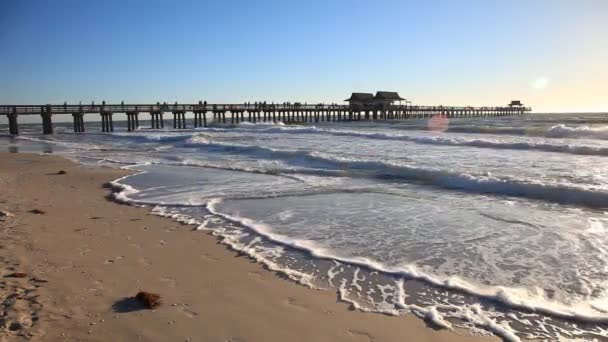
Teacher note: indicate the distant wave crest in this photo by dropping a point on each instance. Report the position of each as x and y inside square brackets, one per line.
[450, 141]
[556, 131]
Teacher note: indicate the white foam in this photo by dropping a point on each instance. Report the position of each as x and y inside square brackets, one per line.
[333, 271]
[514, 297]
[556, 131]
[154, 137]
[430, 314]
[477, 316]
[563, 131]
[121, 192]
[355, 281]
[234, 242]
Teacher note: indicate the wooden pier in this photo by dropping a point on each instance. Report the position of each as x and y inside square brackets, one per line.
[236, 113]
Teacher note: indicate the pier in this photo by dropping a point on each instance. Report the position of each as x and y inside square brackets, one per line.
[381, 107]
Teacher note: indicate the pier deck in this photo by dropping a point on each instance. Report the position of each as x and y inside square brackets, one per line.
[287, 113]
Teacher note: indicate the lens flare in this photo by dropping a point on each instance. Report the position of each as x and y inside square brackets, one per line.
[438, 123]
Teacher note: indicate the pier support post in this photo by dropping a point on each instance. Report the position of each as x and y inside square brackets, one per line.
[107, 125]
[179, 119]
[200, 118]
[132, 120]
[78, 122]
[129, 123]
[154, 119]
[47, 123]
[13, 127]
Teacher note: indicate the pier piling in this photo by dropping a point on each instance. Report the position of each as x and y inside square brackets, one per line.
[13, 127]
[132, 120]
[78, 122]
[179, 119]
[156, 119]
[200, 118]
[47, 123]
[107, 124]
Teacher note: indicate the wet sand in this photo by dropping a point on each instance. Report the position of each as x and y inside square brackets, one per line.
[84, 256]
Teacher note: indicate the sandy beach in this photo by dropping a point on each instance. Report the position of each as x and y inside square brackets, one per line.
[84, 256]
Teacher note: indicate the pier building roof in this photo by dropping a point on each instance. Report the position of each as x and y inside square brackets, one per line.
[388, 95]
[360, 97]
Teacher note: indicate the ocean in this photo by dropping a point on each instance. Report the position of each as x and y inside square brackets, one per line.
[495, 225]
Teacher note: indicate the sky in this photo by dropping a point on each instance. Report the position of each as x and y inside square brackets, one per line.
[550, 54]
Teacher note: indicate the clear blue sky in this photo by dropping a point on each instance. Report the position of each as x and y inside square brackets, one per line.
[552, 54]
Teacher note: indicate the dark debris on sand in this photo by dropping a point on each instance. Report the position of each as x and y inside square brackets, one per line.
[150, 300]
[16, 275]
[37, 211]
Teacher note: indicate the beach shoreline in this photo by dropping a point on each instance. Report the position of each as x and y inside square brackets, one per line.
[83, 256]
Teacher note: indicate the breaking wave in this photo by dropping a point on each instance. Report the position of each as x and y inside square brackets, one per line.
[557, 131]
[324, 164]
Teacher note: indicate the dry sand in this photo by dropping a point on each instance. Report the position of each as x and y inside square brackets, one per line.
[84, 256]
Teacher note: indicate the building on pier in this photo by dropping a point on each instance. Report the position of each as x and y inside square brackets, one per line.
[516, 103]
[386, 98]
[382, 99]
[360, 100]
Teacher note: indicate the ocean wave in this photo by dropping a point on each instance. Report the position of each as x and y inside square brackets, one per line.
[67, 144]
[155, 137]
[556, 131]
[446, 141]
[563, 131]
[323, 164]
